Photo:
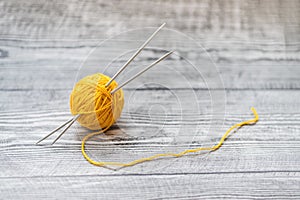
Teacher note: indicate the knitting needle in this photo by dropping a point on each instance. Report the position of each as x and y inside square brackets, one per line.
[134, 55]
[68, 121]
[141, 72]
[73, 119]
[72, 122]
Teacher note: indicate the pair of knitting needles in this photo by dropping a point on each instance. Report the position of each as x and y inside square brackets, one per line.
[73, 119]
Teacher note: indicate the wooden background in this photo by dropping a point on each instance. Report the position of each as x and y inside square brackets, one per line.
[255, 46]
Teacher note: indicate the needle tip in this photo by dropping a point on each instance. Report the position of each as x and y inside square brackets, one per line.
[161, 26]
[167, 54]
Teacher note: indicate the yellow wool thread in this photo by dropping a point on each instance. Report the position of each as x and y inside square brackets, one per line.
[99, 109]
[90, 98]
[252, 121]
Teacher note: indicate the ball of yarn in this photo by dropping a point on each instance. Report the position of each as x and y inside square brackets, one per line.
[98, 108]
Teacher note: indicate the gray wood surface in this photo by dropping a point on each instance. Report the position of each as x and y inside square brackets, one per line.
[255, 48]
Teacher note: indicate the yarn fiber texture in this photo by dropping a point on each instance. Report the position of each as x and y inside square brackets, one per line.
[98, 108]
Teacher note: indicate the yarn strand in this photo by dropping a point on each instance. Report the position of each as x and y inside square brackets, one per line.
[120, 164]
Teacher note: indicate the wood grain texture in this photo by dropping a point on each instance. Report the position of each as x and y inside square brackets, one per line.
[248, 56]
[159, 186]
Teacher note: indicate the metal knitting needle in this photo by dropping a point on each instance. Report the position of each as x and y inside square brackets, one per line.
[134, 55]
[73, 119]
[141, 72]
[68, 121]
[72, 122]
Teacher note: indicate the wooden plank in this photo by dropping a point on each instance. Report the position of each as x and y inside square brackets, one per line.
[265, 185]
[233, 20]
[40, 67]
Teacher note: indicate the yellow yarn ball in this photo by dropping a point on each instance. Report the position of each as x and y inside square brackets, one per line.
[98, 108]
